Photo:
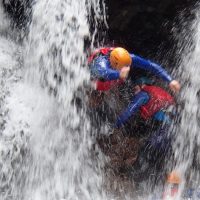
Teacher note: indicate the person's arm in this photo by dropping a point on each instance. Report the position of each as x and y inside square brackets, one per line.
[138, 100]
[100, 69]
[151, 66]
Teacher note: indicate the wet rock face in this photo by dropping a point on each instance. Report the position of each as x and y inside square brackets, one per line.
[19, 11]
[143, 26]
[121, 150]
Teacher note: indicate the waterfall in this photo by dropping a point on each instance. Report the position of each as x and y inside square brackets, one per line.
[46, 138]
[188, 141]
[47, 142]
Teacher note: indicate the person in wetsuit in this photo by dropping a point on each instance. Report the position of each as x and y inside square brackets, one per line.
[155, 108]
[110, 66]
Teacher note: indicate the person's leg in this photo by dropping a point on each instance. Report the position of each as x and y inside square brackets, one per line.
[152, 155]
[159, 142]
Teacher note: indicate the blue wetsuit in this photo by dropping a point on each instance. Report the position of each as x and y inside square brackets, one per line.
[159, 139]
[137, 101]
[101, 68]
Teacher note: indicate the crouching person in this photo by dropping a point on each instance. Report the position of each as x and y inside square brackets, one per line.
[150, 111]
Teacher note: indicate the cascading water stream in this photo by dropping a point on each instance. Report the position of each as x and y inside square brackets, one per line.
[188, 141]
[61, 165]
[52, 137]
[46, 141]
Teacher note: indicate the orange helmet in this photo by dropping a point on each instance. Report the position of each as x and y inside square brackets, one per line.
[119, 58]
[174, 177]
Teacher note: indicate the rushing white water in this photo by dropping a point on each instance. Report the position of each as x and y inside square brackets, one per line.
[46, 143]
[61, 166]
[186, 146]
[11, 137]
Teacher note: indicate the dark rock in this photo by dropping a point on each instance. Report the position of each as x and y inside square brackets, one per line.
[144, 27]
[121, 150]
[19, 11]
